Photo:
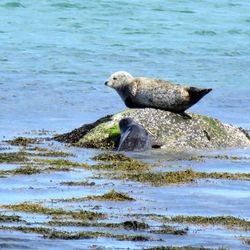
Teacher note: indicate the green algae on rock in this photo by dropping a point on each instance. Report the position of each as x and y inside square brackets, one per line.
[58, 162]
[166, 229]
[228, 221]
[176, 177]
[23, 141]
[52, 153]
[34, 169]
[167, 129]
[112, 195]
[113, 158]
[90, 234]
[56, 234]
[14, 157]
[10, 218]
[24, 170]
[128, 225]
[39, 209]
[122, 166]
[23, 157]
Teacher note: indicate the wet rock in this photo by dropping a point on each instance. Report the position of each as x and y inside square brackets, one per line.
[167, 129]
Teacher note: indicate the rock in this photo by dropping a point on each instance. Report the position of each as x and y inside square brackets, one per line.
[167, 129]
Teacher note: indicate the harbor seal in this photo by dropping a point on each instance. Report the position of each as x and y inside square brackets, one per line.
[134, 136]
[141, 92]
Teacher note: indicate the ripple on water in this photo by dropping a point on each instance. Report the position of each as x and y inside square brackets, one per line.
[13, 5]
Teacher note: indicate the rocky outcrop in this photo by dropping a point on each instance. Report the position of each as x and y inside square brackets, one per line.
[167, 129]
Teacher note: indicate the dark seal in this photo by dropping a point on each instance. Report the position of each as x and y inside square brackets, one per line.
[134, 137]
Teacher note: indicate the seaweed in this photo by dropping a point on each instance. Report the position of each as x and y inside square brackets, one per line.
[14, 157]
[128, 225]
[56, 234]
[111, 195]
[10, 218]
[38, 209]
[58, 162]
[175, 177]
[166, 229]
[23, 141]
[78, 183]
[228, 221]
[113, 158]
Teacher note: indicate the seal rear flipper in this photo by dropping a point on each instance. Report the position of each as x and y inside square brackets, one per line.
[195, 94]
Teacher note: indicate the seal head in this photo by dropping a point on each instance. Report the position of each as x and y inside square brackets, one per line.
[121, 81]
[134, 136]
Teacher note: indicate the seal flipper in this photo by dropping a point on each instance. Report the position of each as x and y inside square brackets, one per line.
[195, 94]
[131, 104]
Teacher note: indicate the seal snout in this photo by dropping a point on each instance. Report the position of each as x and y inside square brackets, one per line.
[106, 83]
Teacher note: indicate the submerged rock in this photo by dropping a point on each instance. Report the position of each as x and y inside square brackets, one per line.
[167, 129]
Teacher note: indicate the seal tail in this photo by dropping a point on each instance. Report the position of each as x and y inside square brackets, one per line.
[195, 94]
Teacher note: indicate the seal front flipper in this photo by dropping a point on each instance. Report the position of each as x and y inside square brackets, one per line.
[130, 103]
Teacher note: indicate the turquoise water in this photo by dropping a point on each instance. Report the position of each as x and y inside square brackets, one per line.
[55, 56]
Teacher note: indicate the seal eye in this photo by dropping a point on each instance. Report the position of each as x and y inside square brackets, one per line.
[114, 78]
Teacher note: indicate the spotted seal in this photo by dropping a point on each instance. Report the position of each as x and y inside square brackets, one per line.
[134, 136]
[141, 92]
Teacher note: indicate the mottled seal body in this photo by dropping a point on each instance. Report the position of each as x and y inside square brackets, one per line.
[141, 92]
[134, 136]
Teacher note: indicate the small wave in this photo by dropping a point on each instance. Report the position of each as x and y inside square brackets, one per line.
[65, 5]
[234, 31]
[13, 5]
[76, 25]
[160, 9]
[184, 11]
[205, 33]
[117, 45]
[232, 53]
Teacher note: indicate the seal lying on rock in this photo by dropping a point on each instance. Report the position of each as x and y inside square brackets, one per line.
[134, 136]
[144, 92]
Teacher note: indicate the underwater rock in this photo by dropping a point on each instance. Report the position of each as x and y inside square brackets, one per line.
[167, 130]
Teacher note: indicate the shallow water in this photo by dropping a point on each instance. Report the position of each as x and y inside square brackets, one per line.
[55, 56]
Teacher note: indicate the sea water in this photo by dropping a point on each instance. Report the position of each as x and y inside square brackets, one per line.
[55, 56]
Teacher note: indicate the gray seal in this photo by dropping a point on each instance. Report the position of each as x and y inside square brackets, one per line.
[141, 92]
[134, 137]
